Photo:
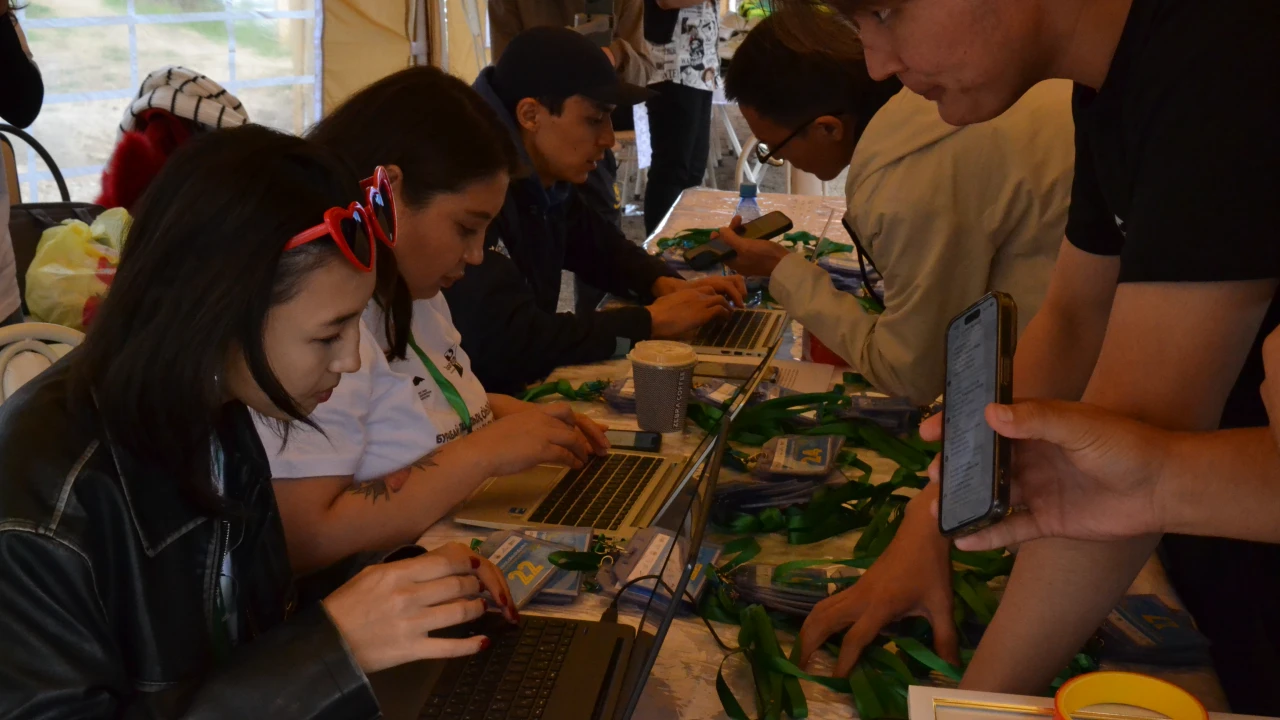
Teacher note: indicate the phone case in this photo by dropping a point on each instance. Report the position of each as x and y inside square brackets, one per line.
[747, 232]
[1007, 330]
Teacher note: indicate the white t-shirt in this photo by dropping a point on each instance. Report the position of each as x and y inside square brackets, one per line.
[386, 416]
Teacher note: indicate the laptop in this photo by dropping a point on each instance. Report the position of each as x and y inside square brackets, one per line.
[617, 494]
[556, 668]
[747, 331]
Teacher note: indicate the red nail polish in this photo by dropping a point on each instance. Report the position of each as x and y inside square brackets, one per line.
[475, 563]
[515, 615]
[484, 644]
[502, 598]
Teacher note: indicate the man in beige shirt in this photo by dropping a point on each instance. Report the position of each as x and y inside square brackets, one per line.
[628, 51]
[945, 214]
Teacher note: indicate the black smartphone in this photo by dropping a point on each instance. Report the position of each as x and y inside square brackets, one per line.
[709, 255]
[629, 440]
[766, 227]
[975, 460]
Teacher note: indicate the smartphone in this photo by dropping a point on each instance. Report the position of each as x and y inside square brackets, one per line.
[709, 255]
[629, 440]
[975, 460]
[766, 227]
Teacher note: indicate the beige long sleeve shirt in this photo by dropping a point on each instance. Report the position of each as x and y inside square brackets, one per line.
[947, 214]
[508, 18]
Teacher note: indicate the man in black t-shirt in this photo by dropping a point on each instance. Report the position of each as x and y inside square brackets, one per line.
[1162, 294]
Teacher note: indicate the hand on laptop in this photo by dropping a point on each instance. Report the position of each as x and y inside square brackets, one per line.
[520, 441]
[756, 258]
[590, 430]
[733, 287]
[680, 313]
[386, 612]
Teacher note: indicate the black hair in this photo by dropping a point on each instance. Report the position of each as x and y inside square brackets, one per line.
[441, 134]
[790, 87]
[203, 263]
[554, 105]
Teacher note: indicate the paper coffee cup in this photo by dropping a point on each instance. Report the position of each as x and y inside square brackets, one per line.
[663, 372]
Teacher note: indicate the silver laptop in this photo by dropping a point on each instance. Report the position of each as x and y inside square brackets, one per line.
[747, 331]
[617, 494]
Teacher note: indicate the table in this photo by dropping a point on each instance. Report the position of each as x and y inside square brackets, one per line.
[681, 684]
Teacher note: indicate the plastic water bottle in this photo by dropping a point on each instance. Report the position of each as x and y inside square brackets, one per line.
[748, 210]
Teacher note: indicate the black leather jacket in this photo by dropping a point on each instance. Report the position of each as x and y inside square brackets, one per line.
[108, 578]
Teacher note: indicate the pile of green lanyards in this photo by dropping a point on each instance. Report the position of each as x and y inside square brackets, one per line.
[694, 237]
[896, 659]
[900, 656]
[586, 392]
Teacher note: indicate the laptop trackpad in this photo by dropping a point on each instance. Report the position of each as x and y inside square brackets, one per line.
[515, 496]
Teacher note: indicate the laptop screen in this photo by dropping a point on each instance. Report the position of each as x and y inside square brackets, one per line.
[678, 572]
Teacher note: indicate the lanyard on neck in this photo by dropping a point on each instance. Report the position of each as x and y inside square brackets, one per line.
[450, 392]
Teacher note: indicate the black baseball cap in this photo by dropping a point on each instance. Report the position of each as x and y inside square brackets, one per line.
[558, 62]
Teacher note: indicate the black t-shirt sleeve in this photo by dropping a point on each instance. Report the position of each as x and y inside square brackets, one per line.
[1203, 120]
[1091, 225]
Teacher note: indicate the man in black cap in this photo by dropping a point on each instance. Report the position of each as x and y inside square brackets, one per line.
[555, 89]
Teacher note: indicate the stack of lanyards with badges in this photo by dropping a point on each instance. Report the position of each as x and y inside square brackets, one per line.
[647, 554]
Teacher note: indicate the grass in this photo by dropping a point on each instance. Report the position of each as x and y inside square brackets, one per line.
[259, 38]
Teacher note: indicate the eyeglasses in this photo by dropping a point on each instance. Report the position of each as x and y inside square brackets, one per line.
[765, 154]
[354, 228]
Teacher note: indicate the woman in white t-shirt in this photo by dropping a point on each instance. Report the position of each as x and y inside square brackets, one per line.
[414, 432]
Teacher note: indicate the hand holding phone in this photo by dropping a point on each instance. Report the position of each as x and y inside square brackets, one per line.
[975, 459]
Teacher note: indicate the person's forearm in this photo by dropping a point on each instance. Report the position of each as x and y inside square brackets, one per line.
[1058, 591]
[1222, 484]
[867, 342]
[1054, 358]
[504, 405]
[393, 510]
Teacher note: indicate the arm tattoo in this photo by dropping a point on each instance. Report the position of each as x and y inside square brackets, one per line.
[376, 490]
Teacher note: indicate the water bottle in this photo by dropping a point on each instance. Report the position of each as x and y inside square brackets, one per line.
[748, 210]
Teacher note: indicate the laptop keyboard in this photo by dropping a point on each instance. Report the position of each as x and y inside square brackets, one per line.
[740, 331]
[600, 494]
[512, 679]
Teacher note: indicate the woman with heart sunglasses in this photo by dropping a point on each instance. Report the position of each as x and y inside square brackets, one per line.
[143, 566]
[414, 432]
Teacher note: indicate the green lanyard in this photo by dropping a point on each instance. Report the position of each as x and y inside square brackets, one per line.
[450, 392]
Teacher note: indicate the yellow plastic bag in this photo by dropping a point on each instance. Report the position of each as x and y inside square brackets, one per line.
[73, 267]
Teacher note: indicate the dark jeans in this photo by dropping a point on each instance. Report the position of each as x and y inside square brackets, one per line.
[600, 193]
[1231, 588]
[680, 133]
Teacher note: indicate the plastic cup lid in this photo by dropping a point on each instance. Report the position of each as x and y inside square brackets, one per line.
[663, 353]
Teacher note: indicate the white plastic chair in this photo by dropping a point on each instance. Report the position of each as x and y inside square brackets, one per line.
[749, 169]
[26, 351]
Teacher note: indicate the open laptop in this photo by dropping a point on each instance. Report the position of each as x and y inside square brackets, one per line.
[617, 494]
[556, 668]
[747, 331]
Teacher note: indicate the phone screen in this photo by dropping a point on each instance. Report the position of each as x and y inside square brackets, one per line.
[969, 444]
[621, 438]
